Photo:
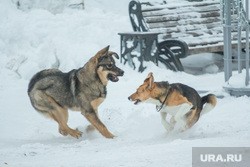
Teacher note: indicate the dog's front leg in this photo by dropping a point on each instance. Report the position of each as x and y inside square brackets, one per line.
[96, 122]
[164, 122]
[172, 121]
[180, 118]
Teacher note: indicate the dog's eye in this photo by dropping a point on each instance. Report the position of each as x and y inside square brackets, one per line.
[109, 66]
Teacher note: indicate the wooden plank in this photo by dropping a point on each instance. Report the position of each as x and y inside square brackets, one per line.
[185, 23]
[208, 48]
[175, 5]
[212, 48]
[175, 29]
[168, 11]
[174, 17]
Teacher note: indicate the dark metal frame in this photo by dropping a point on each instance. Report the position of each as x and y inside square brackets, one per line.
[135, 15]
[169, 50]
[242, 22]
[169, 53]
[142, 46]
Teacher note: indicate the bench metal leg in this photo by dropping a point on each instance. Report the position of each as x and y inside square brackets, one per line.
[170, 52]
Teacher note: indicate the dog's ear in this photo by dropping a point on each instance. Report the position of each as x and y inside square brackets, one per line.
[102, 52]
[113, 54]
[150, 80]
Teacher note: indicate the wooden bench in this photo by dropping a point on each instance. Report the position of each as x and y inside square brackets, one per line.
[197, 22]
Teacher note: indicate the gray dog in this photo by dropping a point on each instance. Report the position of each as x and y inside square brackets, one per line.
[53, 92]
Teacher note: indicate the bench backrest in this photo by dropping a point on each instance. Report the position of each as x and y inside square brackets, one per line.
[198, 23]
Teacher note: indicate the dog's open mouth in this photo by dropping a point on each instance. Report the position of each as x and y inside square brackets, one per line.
[137, 101]
[113, 77]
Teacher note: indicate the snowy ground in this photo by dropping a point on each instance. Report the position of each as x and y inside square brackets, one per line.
[33, 40]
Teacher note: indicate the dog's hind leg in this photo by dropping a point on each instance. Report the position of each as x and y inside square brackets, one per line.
[60, 115]
[192, 117]
[49, 107]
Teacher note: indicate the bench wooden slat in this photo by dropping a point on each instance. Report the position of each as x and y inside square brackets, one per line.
[167, 31]
[183, 10]
[184, 23]
[218, 47]
[174, 5]
[174, 17]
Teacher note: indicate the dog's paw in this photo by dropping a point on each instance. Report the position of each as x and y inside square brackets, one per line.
[90, 128]
[110, 136]
[63, 132]
[75, 133]
[172, 121]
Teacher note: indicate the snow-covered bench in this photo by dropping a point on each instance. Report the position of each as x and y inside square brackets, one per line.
[197, 22]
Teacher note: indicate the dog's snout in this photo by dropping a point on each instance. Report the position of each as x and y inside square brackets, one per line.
[119, 71]
[122, 72]
[129, 98]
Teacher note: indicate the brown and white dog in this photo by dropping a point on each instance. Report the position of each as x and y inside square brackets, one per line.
[180, 101]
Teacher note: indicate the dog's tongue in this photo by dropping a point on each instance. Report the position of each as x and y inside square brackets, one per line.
[115, 78]
[136, 102]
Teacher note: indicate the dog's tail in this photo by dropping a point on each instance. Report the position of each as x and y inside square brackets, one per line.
[210, 101]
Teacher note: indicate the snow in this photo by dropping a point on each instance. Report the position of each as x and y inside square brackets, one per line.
[36, 39]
